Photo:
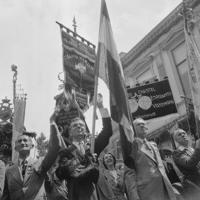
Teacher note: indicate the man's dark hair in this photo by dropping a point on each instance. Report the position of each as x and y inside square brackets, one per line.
[30, 134]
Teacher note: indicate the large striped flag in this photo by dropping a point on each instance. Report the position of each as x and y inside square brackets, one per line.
[109, 68]
[193, 59]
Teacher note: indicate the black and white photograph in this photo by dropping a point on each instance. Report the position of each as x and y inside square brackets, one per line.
[100, 100]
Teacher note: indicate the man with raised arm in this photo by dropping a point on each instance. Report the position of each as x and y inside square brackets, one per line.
[24, 179]
[76, 164]
[151, 179]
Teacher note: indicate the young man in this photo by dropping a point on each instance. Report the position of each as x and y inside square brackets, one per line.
[24, 179]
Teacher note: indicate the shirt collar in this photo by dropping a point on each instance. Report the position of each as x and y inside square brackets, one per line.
[21, 160]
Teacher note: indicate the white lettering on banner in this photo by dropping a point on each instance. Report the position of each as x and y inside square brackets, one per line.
[161, 96]
[145, 91]
[166, 103]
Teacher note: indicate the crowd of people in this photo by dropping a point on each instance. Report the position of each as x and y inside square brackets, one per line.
[69, 171]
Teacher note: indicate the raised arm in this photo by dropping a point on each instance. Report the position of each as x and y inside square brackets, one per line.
[102, 140]
[129, 150]
[38, 177]
[53, 148]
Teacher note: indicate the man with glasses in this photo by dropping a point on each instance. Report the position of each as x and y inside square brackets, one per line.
[187, 160]
[76, 163]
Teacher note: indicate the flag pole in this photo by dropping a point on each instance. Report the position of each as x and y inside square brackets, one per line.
[95, 101]
[94, 113]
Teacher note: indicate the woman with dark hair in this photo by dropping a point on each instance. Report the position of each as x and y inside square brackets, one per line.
[111, 181]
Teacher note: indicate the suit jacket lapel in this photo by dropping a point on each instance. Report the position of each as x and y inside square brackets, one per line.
[157, 155]
[17, 174]
[147, 152]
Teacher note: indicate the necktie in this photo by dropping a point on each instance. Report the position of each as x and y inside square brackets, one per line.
[24, 165]
[148, 146]
[81, 148]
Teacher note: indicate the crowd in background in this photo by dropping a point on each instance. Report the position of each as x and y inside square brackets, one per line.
[69, 171]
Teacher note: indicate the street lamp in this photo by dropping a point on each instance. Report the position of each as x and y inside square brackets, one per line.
[14, 69]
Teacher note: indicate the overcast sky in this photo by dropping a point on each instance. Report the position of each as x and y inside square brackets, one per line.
[30, 39]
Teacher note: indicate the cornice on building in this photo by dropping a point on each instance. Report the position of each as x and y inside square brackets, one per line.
[167, 126]
[164, 26]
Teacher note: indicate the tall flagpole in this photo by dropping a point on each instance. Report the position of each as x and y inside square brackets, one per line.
[94, 112]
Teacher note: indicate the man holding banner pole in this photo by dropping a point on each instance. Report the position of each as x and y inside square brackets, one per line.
[76, 164]
[150, 172]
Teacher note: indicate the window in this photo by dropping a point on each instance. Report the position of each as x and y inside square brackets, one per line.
[179, 56]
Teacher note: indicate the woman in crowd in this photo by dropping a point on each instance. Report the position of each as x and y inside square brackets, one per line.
[111, 181]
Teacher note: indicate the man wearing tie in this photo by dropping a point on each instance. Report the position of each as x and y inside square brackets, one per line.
[76, 164]
[151, 179]
[24, 179]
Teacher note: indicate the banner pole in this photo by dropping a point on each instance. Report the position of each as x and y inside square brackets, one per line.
[94, 114]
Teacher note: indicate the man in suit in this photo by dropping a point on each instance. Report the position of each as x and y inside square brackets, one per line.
[187, 160]
[24, 179]
[151, 179]
[76, 163]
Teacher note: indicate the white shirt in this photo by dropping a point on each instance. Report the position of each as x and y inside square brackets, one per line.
[80, 146]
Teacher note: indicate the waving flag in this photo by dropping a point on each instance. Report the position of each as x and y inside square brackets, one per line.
[109, 68]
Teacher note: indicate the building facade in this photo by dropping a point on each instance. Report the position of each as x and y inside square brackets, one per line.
[162, 54]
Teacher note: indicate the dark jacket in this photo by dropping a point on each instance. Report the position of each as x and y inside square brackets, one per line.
[17, 188]
[186, 160]
[81, 186]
